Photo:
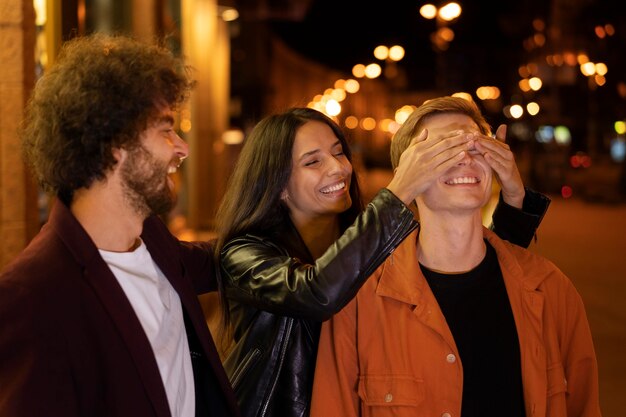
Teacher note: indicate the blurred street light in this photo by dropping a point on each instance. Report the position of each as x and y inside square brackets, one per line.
[390, 55]
[442, 37]
[443, 16]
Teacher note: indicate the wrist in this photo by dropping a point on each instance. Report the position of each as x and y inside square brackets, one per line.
[514, 200]
[401, 193]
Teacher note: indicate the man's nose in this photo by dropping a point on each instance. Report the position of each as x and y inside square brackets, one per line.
[467, 159]
[181, 147]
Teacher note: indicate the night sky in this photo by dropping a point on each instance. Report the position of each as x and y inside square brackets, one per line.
[487, 45]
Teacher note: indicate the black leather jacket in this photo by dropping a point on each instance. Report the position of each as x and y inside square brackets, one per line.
[279, 296]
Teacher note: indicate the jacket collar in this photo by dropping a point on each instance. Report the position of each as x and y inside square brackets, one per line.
[288, 237]
[99, 277]
[508, 257]
[401, 277]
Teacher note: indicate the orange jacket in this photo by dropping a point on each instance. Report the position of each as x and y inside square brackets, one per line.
[390, 352]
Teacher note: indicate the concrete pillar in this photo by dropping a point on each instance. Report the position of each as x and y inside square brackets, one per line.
[206, 46]
[144, 19]
[18, 194]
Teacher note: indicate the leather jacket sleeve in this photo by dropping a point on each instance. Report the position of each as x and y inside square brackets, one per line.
[519, 226]
[261, 273]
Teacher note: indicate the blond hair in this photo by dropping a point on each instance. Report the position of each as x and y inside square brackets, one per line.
[413, 124]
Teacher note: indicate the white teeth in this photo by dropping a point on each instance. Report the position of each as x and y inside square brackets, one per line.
[333, 188]
[462, 180]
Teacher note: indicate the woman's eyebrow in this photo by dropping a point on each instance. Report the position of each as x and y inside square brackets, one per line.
[309, 153]
[314, 151]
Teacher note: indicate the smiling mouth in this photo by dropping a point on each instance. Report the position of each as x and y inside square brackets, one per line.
[174, 167]
[463, 180]
[333, 188]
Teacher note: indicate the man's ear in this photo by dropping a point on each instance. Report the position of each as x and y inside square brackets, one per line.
[119, 154]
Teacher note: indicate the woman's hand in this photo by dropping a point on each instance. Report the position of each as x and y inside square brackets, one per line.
[499, 156]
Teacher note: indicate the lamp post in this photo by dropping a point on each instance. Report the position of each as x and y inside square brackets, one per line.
[595, 73]
[442, 37]
[390, 56]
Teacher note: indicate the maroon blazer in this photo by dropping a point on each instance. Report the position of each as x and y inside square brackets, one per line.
[70, 342]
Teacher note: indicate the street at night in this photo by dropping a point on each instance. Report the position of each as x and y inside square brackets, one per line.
[98, 301]
[588, 242]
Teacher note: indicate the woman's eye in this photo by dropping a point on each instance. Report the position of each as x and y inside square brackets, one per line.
[309, 163]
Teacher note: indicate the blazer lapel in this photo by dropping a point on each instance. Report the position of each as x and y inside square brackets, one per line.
[165, 252]
[114, 301]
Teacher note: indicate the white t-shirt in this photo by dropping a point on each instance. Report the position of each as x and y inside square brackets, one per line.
[159, 310]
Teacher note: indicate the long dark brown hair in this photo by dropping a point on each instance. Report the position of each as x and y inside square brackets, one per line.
[252, 202]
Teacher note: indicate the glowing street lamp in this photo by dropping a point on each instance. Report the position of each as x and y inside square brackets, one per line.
[442, 37]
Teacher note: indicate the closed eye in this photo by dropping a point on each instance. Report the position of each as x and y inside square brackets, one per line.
[169, 130]
[337, 149]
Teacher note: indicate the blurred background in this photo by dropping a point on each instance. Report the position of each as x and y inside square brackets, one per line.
[554, 71]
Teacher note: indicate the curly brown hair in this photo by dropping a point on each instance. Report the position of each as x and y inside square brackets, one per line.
[100, 94]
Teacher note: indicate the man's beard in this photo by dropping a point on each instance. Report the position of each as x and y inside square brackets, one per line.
[146, 184]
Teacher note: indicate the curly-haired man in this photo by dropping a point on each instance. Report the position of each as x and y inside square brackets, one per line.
[99, 314]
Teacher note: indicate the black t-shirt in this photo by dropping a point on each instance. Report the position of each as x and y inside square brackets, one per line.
[477, 309]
